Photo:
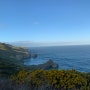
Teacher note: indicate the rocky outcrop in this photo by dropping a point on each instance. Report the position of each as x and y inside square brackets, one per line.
[34, 56]
[11, 52]
[49, 65]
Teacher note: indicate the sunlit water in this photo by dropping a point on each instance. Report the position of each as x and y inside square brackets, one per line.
[68, 57]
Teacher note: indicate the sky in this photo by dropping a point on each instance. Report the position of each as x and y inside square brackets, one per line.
[45, 21]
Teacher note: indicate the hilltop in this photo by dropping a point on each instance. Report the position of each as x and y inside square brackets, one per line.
[12, 52]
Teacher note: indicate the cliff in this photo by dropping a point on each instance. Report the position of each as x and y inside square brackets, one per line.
[11, 52]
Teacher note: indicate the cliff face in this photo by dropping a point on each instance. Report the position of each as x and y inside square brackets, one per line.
[11, 52]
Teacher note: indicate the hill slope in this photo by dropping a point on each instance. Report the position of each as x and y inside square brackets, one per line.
[11, 52]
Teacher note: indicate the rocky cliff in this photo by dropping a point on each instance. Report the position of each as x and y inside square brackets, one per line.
[11, 52]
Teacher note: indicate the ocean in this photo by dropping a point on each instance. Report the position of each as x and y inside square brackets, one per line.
[68, 57]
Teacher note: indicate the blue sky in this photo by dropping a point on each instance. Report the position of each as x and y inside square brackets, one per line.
[45, 20]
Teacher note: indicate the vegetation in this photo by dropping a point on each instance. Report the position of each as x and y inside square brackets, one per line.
[48, 80]
[53, 80]
[9, 67]
[11, 52]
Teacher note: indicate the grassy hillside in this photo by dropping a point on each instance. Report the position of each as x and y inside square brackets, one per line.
[11, 52]
[11, 59]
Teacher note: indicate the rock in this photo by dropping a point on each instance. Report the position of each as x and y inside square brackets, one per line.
[34, 56]
[49, 65]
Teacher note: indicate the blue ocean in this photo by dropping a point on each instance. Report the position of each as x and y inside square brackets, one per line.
[68, 57]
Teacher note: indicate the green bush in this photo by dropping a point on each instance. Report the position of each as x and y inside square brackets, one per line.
[53, 80]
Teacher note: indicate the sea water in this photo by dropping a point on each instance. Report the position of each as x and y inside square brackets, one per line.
[68, 57]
